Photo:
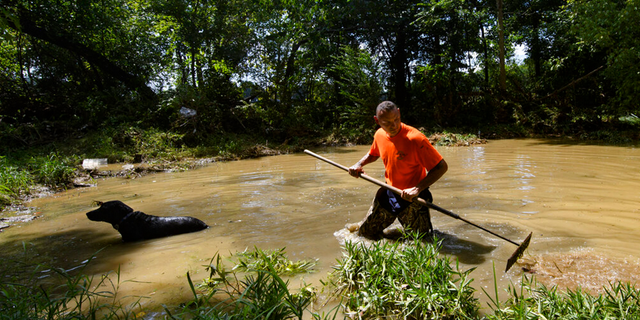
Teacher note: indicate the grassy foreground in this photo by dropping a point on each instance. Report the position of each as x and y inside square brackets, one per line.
[401, 280]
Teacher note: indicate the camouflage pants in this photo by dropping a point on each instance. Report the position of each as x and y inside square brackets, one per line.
[386, 207]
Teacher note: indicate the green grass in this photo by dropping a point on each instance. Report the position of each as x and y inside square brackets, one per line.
[261, 260]
[25, 295]
[405, 280]
[20, 176]
[13, 180]
[535, 301]
[258, 293]
[251, 289]
[52, 170]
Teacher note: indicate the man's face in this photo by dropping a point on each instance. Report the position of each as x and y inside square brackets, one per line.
[389, 121]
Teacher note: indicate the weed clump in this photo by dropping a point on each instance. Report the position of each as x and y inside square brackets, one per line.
[533, 300]
[19, 180]
[28, 296]
[404, 280]
[252, 289]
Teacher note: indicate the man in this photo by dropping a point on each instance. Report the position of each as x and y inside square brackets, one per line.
[411, 164]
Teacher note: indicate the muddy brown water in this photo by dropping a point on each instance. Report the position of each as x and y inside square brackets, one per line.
[582, 203]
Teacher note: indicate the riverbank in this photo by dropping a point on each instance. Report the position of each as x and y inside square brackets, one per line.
[43, 170]
[39, 170]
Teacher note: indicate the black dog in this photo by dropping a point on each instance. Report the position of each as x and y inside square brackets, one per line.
[135, 225]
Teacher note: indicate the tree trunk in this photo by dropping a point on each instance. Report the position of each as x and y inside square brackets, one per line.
[536, 47]
[181, 64]
[486, 57]
[503, 73]
[193, 68]
[398, 61]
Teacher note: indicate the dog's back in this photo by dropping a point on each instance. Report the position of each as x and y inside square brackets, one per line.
[136, 225]
[140, 226]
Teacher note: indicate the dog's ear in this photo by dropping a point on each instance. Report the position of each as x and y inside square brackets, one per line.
[97, 203]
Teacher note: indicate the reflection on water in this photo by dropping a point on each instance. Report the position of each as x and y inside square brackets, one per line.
[580, 201]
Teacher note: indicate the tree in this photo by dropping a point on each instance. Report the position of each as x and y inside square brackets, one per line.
[451, 30]
[37, 21]
[360, 85]
[388, 30]
[611, 27]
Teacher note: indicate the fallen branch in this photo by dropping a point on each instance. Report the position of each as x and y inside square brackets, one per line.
[572, 83]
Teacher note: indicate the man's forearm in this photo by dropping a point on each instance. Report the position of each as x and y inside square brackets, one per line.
[366, 160]
[356, 169]
[433, 175]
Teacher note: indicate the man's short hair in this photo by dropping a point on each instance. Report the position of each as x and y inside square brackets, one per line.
[386, 106]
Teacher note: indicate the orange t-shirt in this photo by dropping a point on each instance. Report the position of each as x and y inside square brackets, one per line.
[407, 156]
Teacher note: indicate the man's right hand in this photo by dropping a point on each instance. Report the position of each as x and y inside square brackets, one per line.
[356, 170]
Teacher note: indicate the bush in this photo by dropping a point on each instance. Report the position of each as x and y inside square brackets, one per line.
[52, 170]
[14, 182]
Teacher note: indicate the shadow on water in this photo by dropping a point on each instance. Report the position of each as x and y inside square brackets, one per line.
[67, 250]
[467, 252]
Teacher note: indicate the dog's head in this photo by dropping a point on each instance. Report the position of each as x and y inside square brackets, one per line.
[110, 211]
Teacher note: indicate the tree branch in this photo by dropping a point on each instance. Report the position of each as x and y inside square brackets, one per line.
[29, 27]
[572, 83]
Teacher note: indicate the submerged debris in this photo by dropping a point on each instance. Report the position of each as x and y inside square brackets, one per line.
[590, 271]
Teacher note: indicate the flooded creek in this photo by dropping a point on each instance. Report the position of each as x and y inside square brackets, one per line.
[582, 203]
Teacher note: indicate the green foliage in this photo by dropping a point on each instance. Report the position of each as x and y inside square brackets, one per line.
[52, 170]
[610, 26]
[397, 280]
[18, 181]
[536, 301]
[448, 84]
[261, 294]
[26, 297]
[261, 260]
[286, 70]
[360, 84]
[454, 139]
[403, 280]
[151, 142]
[14, 182]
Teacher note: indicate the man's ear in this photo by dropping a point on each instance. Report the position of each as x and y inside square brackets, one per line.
[376, 119]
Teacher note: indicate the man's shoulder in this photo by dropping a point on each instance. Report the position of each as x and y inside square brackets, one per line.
[380, 133]
[413, 133]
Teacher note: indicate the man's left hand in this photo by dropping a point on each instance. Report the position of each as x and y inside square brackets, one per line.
[410, 193]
